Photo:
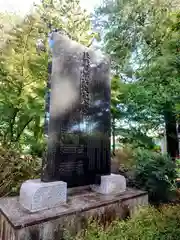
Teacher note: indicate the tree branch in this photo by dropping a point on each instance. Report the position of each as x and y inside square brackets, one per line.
[22, 129]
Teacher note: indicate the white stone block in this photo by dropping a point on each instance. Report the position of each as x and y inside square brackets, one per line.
[111, 184]
[37, 196]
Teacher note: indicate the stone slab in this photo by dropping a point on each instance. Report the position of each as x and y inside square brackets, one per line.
[19, 224]
[37, 196]
[79, 203]
[111, 184]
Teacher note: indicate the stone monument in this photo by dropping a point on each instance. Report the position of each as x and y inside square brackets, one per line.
[79, 125]
[76, 182]
[78, 129]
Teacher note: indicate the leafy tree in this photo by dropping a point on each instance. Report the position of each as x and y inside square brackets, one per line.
[142, 39]
[23, 72]
[116, 114]
[69, 17]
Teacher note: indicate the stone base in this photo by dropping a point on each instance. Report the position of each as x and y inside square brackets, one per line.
[111, 184]
[18, 224]
[37, 196]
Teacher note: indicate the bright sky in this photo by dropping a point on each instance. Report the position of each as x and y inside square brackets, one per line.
[23, 6]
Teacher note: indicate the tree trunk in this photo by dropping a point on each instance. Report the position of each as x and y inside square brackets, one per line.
[171, 133]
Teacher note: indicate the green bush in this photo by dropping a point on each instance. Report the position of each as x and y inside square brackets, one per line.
[149, 170]
[148, 224]
[14, 169]
[178, 167]
[155, 173]
[124, 156]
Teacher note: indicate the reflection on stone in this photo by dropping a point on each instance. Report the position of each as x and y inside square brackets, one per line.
[79, 114]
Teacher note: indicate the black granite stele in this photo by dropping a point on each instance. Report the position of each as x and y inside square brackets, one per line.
[78, 146]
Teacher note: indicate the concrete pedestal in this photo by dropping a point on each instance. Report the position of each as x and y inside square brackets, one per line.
[16, 223]
[37, 196]
[111, 184]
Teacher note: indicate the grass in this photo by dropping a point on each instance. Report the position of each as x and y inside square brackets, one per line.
[148, 224]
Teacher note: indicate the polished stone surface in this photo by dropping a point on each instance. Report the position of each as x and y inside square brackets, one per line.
[111, 184]
[37, 196]
[79, 115]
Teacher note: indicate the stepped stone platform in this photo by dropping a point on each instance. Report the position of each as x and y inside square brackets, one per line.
[83, 204]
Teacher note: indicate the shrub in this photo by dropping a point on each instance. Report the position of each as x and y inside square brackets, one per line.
[148, 224]
[155, 173]
[178, 167]
[123, 157]
[150, 171]
[14, 169]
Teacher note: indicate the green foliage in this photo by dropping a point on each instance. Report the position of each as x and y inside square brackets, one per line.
[23, 72]
[124, 158]
[142, 38]
[148, 170]
[15, 169]
[147, 224]
[155, 173]
[118, 92]
[178, 167]
[69, 17]
[135, 137]
[23, 81]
